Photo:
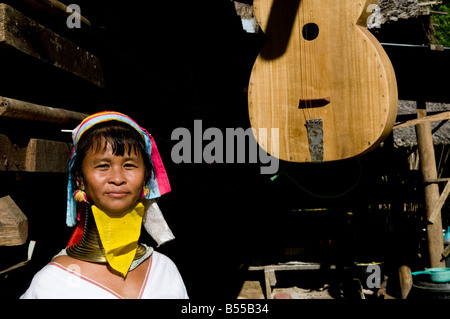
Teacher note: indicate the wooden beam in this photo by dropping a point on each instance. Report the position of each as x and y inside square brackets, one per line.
[12, 152]
[23, 263]
[33, 155]
[437, 208]
[430, 118]
[17, 109]
[18, 32]
[437, 180]
[56, 8]
[13, 223]
[47, 156]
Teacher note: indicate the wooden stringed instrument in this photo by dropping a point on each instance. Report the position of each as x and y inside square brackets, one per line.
[322, 79]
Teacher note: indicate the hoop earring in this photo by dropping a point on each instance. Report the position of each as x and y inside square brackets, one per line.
[145, 192]
[80, 196]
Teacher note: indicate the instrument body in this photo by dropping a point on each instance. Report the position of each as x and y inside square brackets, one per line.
[320, 63]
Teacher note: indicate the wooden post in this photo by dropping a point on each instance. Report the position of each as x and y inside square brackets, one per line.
[405, 280]
[13, 223]
[429, 173]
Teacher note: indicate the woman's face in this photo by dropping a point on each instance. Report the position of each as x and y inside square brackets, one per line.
[112, 183]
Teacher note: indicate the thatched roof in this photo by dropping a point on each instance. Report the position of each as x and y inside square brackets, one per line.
[393, 10]
[406, 136]
[391, 14]
[245, 12]
[387, 11]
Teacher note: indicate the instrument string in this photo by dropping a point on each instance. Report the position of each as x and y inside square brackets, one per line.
[309, 44]
[303, 35]
[299, 32]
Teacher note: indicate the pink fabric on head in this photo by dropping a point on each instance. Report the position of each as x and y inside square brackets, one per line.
[160, 171]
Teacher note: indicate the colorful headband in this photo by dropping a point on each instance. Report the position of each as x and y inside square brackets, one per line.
[158, 183]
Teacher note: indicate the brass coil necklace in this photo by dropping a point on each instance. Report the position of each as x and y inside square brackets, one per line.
[90, 247]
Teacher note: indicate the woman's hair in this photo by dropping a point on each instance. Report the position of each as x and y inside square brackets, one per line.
[120, 136]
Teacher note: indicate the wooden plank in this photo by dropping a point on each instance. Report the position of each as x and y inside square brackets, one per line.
[33, 155]
[267, 282]
[302, 266]
[251, 290]
[18, 32]
[430, 118]
[13, 223]
[28, 111]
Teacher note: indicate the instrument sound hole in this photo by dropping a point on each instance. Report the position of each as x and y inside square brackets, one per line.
[310, 31]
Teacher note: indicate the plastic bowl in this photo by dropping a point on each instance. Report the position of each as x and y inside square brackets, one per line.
[439, 274]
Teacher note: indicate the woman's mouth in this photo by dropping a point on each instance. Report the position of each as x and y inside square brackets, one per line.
[117, 194]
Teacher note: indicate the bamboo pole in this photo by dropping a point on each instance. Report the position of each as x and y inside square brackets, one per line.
[429, 172]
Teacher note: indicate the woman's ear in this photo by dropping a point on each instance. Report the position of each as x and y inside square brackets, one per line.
[79, 181]
[147, 177]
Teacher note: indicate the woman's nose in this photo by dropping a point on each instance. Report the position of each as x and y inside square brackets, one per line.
[117, 176]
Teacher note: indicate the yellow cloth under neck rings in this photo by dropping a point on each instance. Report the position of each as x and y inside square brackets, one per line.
[119, 234]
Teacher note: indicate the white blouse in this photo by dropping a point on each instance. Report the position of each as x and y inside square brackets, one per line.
[54, 281]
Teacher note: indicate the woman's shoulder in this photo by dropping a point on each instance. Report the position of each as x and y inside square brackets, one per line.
[161, 259]
[45, 282]
[63, 260]
[160, 256]
[162, 264]
[165, 279]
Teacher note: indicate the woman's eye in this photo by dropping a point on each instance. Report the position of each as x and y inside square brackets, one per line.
[129, 165]
[102, 166]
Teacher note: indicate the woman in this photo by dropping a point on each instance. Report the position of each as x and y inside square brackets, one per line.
[117, 173]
